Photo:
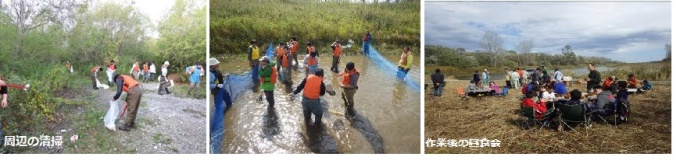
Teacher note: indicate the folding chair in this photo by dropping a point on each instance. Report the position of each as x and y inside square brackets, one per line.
[611, 110]
[573, 113]
[530, 113]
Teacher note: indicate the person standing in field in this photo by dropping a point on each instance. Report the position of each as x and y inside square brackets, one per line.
[294, 48]
[558, 76]
[135, 70]
[3, 104]
[337, 52]
[486, 77]
[405, 62]
[438, 81]
[163, 79]
[594, 78]
[515, 79]
[508, 75]
[110, 70]
[349, 84]
[152, 71]
[194, 73]
[145, 70]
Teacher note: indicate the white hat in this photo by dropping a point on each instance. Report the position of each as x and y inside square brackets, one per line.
[213, 61]
[264, 58]
[166, 63]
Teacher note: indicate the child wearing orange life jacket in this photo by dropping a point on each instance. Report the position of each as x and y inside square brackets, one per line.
[311, 61]
[279, 54]
[294, 47]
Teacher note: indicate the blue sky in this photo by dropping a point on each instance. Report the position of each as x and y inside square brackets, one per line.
[621, 31]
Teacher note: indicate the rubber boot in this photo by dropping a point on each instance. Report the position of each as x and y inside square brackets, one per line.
[167, 91]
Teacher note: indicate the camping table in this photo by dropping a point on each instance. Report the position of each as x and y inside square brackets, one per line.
[483, 91]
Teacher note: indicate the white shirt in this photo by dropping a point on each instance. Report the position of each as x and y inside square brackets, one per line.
[164, 71]
[515, 76]
[152, 69]
[549, 96]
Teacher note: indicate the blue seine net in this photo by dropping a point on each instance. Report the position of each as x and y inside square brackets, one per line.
[235, 85]
[390, 67]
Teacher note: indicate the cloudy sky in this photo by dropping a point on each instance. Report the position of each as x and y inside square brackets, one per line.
[622, 31]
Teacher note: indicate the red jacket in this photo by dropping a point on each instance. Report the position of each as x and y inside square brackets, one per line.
[540, 108]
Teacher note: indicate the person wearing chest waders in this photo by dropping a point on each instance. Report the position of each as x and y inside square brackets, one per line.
[268, 75]
[337, 52]
[253, 53]
[367, 41]
[286, 65]
[349, 84]
[405, 62]
[313, 88]
[217, 87]
[134, 92]
[294, 47]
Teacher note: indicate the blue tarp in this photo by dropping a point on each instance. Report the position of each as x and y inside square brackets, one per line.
[389, 67]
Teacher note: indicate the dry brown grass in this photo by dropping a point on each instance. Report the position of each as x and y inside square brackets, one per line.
[648, 129]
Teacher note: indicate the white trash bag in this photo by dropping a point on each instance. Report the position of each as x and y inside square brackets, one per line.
[100, 85]
[111, 115]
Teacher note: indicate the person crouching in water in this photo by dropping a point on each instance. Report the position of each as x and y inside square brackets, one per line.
[313, 87]
[311, 62]
[94, 71]
[134, 97]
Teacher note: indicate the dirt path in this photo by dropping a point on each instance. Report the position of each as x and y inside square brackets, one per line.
[165, 123]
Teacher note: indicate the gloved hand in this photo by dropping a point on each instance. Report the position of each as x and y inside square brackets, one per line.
[291, 96]
[220, 85]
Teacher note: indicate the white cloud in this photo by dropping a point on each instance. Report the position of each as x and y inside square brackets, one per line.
[607, 29]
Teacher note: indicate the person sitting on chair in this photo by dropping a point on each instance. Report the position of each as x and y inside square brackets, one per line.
[605, 99]
[540, 107]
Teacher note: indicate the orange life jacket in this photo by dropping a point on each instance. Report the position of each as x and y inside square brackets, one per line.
[146, 68]
[337, 51]
[312, 60]
[295, 47]
[312, 87]
[112, 67]
[347, 76]
[285, 60]
[128, 82]
[95, 69]
[310, 49]
[135, 67]
[272, 77]
[280, 51]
